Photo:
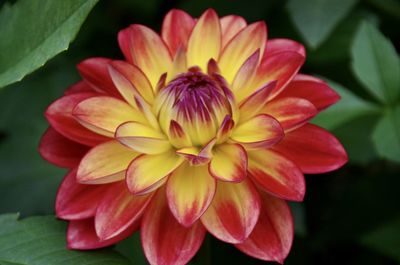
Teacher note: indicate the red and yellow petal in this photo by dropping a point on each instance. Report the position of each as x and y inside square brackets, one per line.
[283, 45]
[189, 192]
[81, 235]
[230, 26]
[176, 29]
[177, 136]
[148, 172]
[233, 212]
[76, 201]
[105, 163]
[313, 149]
[261, 131]
[79, 87]
[290, 112]
[59, 150]
[118, 210]
[104, 114]
[312, 89]
[197, 156]
[95, 73]
[164, 240]
[144, 48]
[225, 129]
[276, 174]
[205, 40]
[272, 237]
[229, 163]
[59, 115]
[244, 44]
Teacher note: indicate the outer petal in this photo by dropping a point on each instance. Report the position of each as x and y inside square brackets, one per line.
[282, 67]
[142, 138]
[144, 48]
[104, 114]
[230, 26]
[130, 81]
[176, 29]
[272, 237]
[148, 172]
[313, 149]
[244, 44]
[82, 235]
[105, 163]
[190, 191]
[118, 210]
[234, 211]
[229, 163]
[164, 240]
[179, 65]
[59, 150]
[79, 87]
[205, 40]
[276, 174]
[59, 115]
[260, 131]
[95, 72]
[283, 45]
[312, 89]
[290, 112]
[77, 201]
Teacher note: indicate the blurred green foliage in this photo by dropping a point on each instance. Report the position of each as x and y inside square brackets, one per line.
[348, 217]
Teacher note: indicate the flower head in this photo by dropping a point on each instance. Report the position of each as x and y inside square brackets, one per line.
[202, 129]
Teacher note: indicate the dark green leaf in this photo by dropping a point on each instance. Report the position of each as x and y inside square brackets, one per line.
[348, 108]
[385, 239]
[386, 135]
[376, 64]
[32, 32]
[41, 241]
[132, 249]
[315, 19]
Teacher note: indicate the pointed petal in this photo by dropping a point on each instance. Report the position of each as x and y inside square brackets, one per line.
[245, 75]
[118, 210]
[76, 201]
[105, 163]
[59, 115]
[104, 114]
[177, 136]
[190, 191]
[79, 87]
[142, 138]
[312, 89]
[276, 174]
[244, 44]
[225, 129]
[255, 102]
[95, 72]
[176, 29]
[230, 26]
[272, 237]
[261, 131]
[147, 172]
[233, 212]
[179, 65]
[59, 150]
[291, 112]
[130, 81]
[229, 163]
[82, 235]
[158, 229]
[283, 45]
[196, 156]
[144, 48]
[205, 40]
[281, 67]
[313, 149]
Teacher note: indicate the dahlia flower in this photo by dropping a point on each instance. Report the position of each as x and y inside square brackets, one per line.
[202, 129]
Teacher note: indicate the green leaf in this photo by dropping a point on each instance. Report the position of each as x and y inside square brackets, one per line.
[132, 249]
[41, 241]
[348, 108]
[315, 19]
[376, 64]
[32, 32]
[385, 239]
[386, 135]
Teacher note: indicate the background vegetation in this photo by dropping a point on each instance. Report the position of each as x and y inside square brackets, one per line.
[348, 217]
